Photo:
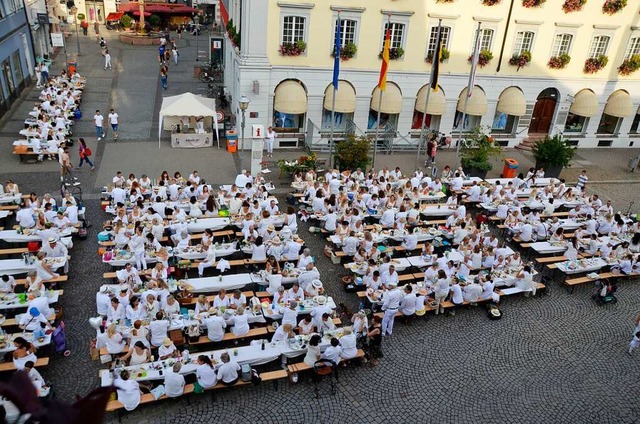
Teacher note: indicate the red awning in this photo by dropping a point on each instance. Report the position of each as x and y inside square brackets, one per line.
[137, 13]
[114, 16]
[158, 8]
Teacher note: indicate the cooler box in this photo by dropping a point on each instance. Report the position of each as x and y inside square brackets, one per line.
[232, 141]
[510, 169]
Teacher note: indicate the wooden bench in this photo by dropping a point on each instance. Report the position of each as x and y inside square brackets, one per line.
[14, 251]
[8, 366]
[147, 398]
[9, 208]
[58, 279]
[303, 366]
[581, 280]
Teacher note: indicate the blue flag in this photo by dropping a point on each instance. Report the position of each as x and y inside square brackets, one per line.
[336, 57]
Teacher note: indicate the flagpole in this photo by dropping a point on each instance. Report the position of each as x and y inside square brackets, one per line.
[375, 141]
[424, 124]
[469, 90]
[426, 102]
[333, 123]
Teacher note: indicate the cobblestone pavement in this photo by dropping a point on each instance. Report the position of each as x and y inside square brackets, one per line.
[553, 359]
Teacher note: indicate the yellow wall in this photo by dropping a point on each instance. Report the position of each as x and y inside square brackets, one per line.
[370, 33]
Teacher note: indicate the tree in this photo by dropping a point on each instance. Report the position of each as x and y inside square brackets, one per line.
[353, 153]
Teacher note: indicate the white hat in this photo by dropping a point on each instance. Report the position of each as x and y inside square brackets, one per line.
[316, 284]
[52, 239]
[321, 300]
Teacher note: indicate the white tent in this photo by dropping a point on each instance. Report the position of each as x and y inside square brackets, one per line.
[186, 104]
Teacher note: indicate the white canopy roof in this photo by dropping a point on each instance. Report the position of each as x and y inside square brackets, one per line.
[187, 104]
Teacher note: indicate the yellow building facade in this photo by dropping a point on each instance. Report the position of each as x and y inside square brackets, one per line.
[546, 69]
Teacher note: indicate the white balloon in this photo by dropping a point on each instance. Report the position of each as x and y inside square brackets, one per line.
[95, 322]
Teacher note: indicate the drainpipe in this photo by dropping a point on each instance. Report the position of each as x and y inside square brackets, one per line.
[504, 38]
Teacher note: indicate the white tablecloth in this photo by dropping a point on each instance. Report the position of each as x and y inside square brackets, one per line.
[436, 211]
[228, 282]
[544, 247]
[17, 266]
[10, 347]
[11, 302]
[583, 265]
[304, 308]
[12, 236]
[10, 198]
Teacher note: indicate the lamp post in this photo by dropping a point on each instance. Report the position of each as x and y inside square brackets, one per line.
[74, 12]
[196, 20]
[243, 103]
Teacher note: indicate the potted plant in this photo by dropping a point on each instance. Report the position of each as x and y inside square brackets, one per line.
[233, 34]
[444, 55]
[533, 3]
[613, 6]
[573, 5]
[154, 21]
[126, 21]
[347, 51]
[476, 153]
[394, 53]
[352, 153]
[80, 16]
[293, 49]
[521, 59]
[484, 57]
[552, 154]
[593, 65]
[559, 62]
[630, 65]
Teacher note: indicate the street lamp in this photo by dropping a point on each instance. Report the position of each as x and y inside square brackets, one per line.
[74, 12]
[196, 20]
[243, 103]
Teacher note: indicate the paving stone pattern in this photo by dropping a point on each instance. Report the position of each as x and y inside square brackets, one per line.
[552, 359]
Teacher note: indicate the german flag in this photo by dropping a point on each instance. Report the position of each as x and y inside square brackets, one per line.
[382, 82]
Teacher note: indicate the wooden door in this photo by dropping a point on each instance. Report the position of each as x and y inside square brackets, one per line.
[542, 116]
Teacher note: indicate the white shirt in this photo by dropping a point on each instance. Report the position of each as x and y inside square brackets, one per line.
[97, 120]
[215, 328]
[408, 304]
[173, 384]
[128, 393]
[113, 118]
[206, 376]
[158, 330]
[240, 325]
[228, 372]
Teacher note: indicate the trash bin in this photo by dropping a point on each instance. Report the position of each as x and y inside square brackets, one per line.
[72, 64]
[232, 141]
[510, 169]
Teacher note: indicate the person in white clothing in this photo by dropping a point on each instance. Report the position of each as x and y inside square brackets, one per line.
[332, 353]
[270, 138]
[348, 343]
[114, 121]
[228, 371]
[174, 381]
[128, 391]
[205, 373]
[215, 326]
[390, 307]
[107, 60]
[408, 302]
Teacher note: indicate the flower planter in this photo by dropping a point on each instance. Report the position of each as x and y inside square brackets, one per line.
[630, 65]
[613, 6]
[573, 5]
[293, 49]
[444, 55]
[533, 3]
[490, 2]
[559, 62]
[593, 65]
[520, 60]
